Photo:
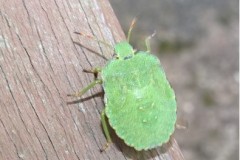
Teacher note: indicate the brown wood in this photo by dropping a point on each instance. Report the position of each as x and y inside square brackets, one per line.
[41, 61]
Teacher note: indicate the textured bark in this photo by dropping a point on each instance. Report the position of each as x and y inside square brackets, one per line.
[41, 61]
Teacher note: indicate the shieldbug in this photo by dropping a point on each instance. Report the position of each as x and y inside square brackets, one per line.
[139, 102]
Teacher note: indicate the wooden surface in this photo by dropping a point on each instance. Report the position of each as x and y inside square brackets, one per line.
[41, 61]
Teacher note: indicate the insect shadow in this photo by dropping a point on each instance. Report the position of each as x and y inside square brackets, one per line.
[133, 154]
[81, 100]
[90, 50]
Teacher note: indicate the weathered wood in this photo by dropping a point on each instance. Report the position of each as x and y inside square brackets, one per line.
[41, 61]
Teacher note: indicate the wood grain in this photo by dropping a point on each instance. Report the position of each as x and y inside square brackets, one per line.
[41, 61]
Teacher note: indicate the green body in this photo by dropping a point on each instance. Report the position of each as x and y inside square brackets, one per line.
[140, 104]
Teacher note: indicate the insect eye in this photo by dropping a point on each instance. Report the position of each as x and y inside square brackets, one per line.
[127, 57]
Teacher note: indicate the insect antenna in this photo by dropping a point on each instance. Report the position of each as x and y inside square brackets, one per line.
[130, 28]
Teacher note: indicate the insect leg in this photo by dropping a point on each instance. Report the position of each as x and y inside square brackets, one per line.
[147, 41]
[94, 71]
[84, 90]
[181, 123]
[105, 130]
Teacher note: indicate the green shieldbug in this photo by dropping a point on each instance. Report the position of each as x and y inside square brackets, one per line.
[140, 103]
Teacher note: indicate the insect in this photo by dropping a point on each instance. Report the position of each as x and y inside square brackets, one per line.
[139, 102]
